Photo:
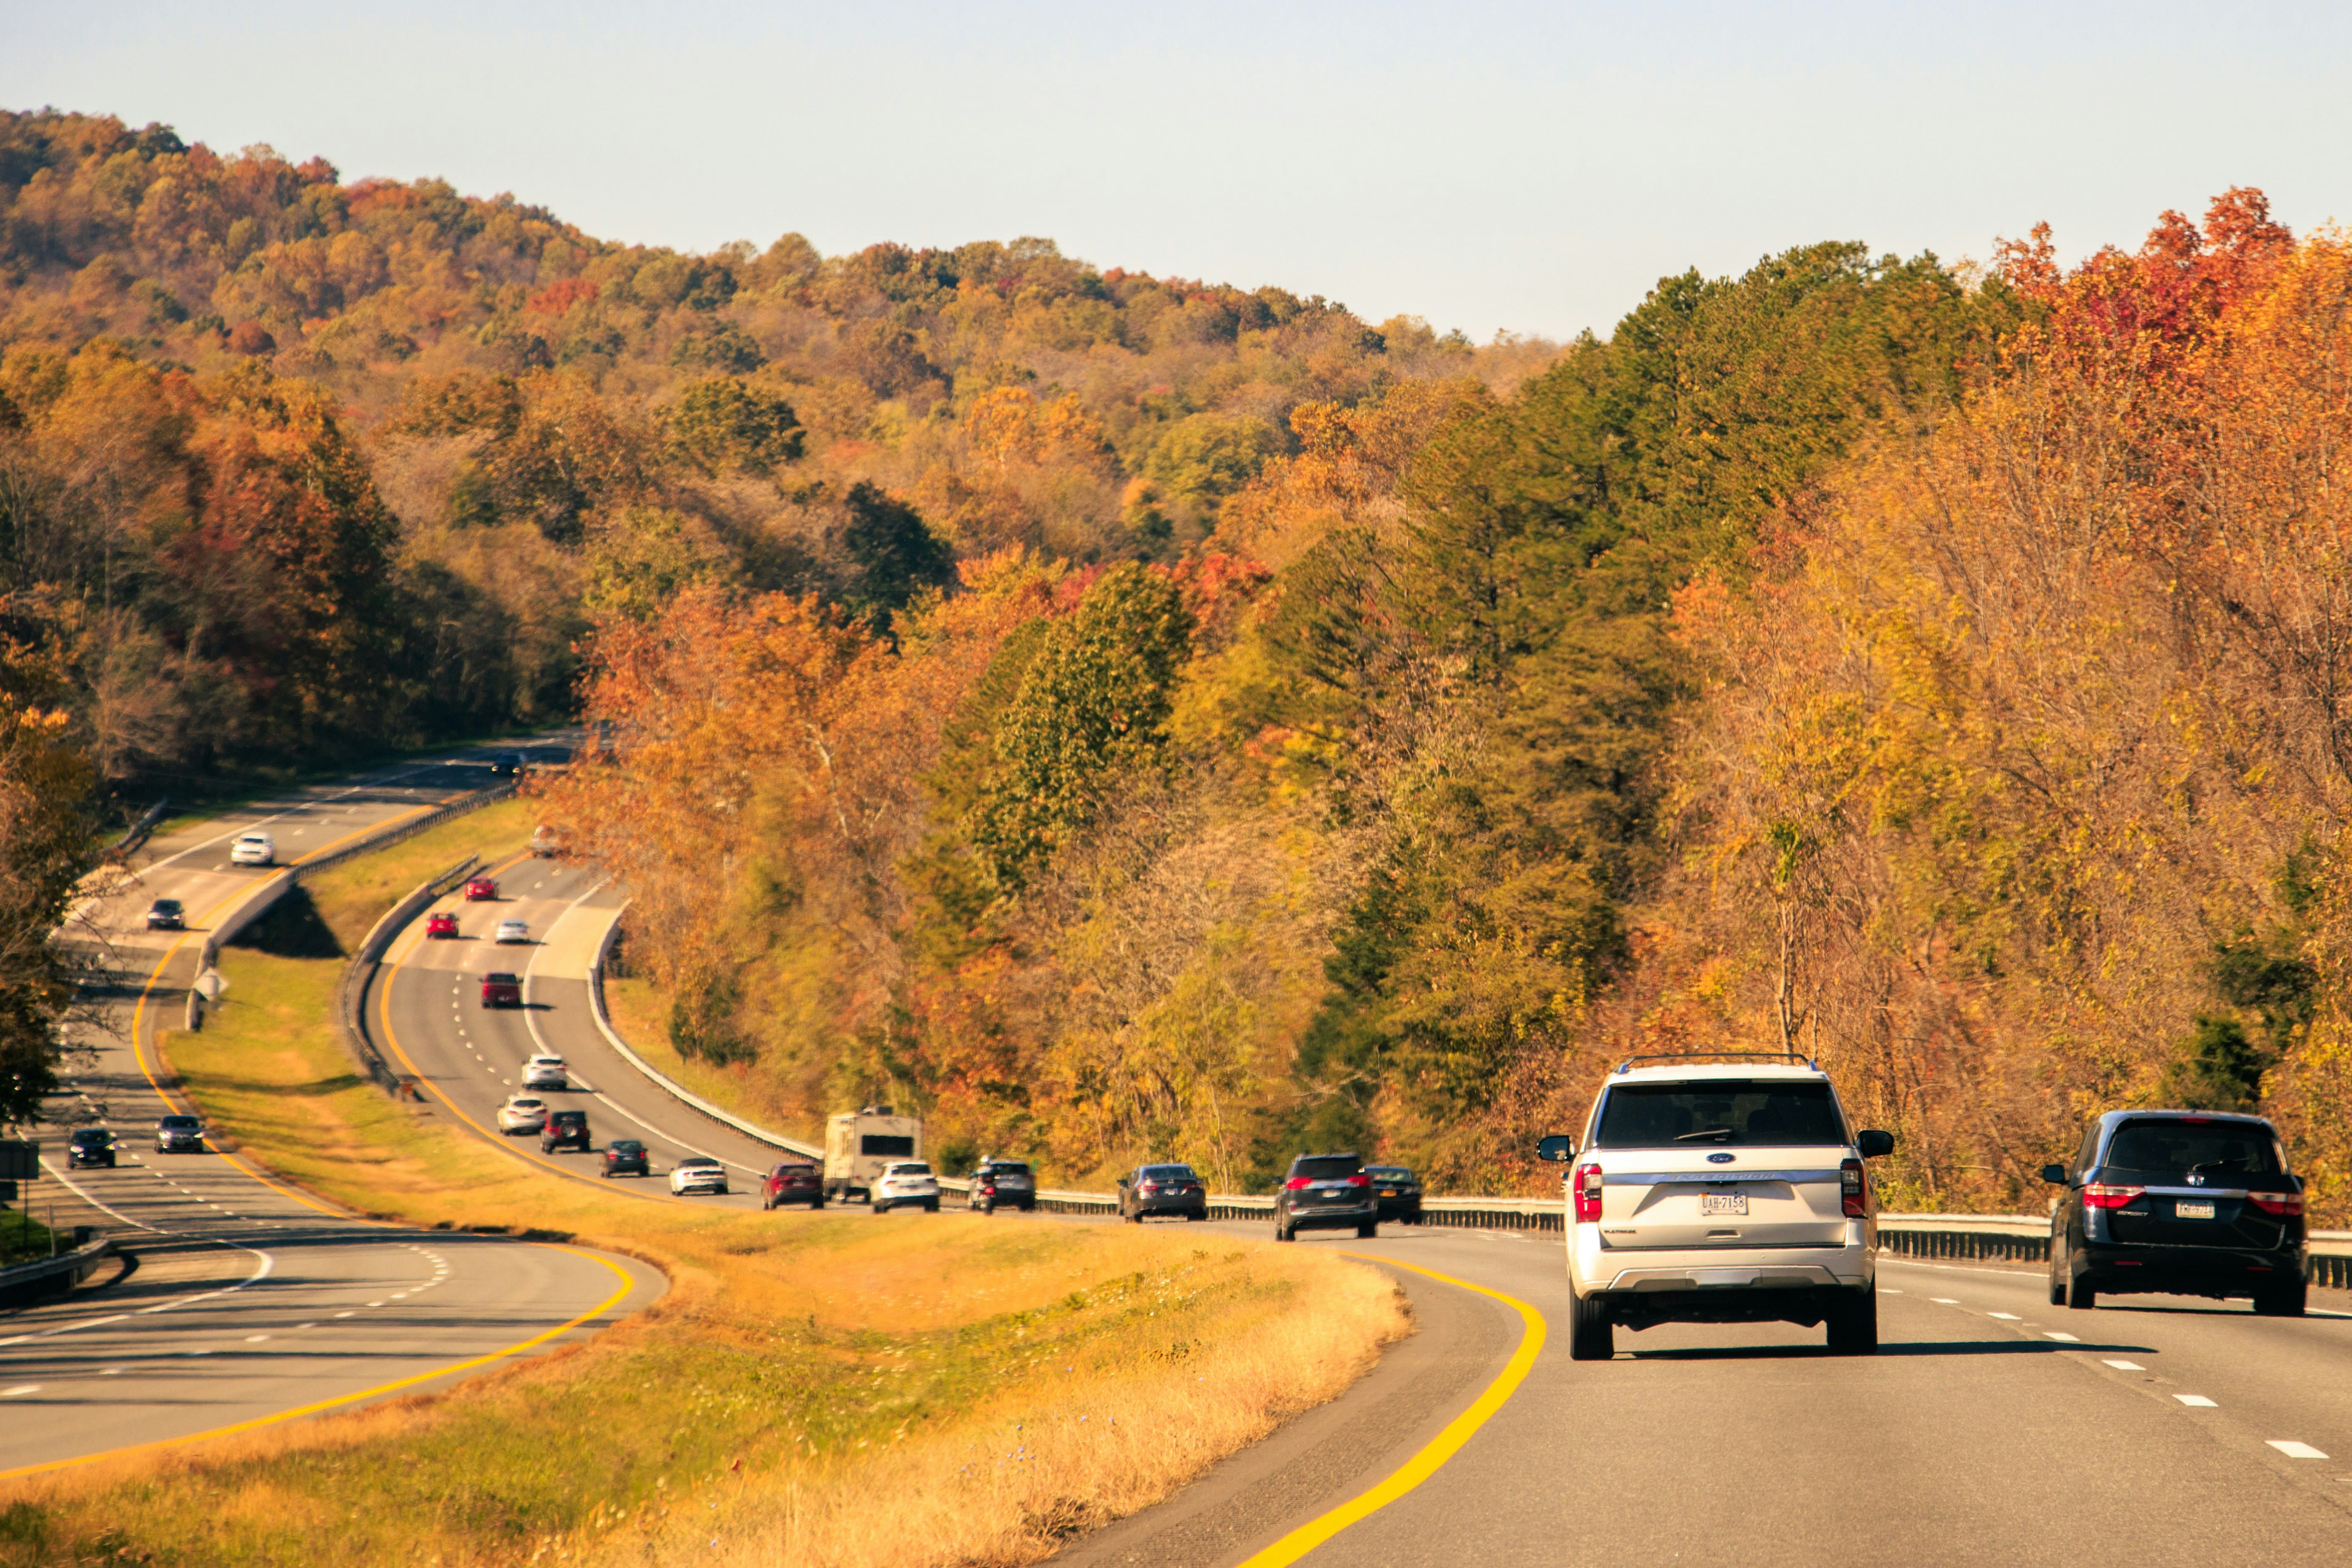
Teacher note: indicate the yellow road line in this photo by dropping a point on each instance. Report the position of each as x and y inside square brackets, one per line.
[629, 1283]
[1432, 1455]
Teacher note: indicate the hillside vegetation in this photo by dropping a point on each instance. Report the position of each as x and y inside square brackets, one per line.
[1123, 717]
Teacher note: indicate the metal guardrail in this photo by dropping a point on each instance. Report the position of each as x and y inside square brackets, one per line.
[53, 1276]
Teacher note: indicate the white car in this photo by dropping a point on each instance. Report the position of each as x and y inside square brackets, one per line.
[512, 931]
[545, 1071]
[253, 849]
[1720, 1187]
[522, 1113]
[907, 1185]
[697, 1173]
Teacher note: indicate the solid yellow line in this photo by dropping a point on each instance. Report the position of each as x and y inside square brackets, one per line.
[1440, 1449]
[629, 1283]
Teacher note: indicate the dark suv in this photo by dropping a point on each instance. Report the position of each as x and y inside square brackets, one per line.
[179, 1134]
[1004, 1185]
[1161, 1190]
[2185, 1202]
[565, 1130]
[1324, 1192]
[89, 1146]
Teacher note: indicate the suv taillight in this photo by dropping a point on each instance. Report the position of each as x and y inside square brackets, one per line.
[1296, 1185]
[2100, 1195]
[2283, 1205]
[1587, 1188]
[1851, 1190]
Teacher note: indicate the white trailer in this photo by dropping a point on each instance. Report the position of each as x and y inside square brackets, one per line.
[859, 1144]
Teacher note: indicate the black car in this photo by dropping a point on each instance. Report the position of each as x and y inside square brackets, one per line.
[624, 1157]
[179, 1135]
[565, 1130]
[1396, 1191]
[1324, 1192]
[167, 914]
[89, 1146]
[1004, 1185]
[1150, 1190]
[2184, 1203]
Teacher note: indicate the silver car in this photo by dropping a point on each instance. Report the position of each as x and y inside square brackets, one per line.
[253, 849]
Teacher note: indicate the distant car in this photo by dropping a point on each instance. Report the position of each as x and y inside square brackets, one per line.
[500, 989]
[179, 1135]
[1396, 1191]
[510, 932]
[253, 849]
[1324, 1192]
[546, 844]
[1004, 1185]
[1150, 1191]
[89, 1146]
[545, 1071]
[505, 765]
[565, 1130]
[166, 914]
[626, 1157]
[793, 1182]
[697, 1173]
[481, 890]
[522, 1113]
[2186, 1202]
[442, 926]
[906, 1185]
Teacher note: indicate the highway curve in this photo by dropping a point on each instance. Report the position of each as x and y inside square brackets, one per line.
[248, 1302]
[425, 1009]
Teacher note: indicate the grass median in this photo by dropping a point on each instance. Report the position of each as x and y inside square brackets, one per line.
[819, 1389]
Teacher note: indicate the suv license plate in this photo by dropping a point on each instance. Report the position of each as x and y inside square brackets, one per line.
[2192, 1211]
[1723, 1202]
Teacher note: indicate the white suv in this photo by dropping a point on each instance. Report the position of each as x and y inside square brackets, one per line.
[546, 1071]
[1720, 1187]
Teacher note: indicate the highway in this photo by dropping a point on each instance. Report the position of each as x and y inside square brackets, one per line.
[1991, 1428]
[246, 1302]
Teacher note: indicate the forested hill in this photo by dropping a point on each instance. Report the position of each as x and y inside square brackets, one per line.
[1128, 718]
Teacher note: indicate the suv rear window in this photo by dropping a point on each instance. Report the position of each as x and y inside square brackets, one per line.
[1719, 1111]
[1325, 1167]
[2175, 1148]
[1007, 1168]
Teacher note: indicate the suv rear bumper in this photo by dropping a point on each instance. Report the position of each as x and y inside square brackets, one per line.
[2125, 1269]
[1331, 1218]
[1726, 1284]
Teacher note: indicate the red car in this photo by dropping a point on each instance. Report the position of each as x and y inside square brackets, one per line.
[444, 925]
[481, 890]
[500, 989]
[792, 1184]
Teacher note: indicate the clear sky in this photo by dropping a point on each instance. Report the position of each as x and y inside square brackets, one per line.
[1484, 165]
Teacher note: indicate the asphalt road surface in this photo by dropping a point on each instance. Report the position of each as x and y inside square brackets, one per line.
[242, 1300]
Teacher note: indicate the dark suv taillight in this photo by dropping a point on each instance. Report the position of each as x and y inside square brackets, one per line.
[2106, 1195]
[1851, 1190]
[2284, 1205]
[1586, 1189]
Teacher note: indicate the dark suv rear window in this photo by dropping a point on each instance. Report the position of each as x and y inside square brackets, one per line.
[1728, 1111]
[2177, 1148]
[1325, 1167]
[1007, 1168]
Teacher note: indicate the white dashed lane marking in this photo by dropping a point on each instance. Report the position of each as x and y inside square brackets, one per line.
[1943, 1300]
[2062, 1339]
[20, 1388]
[2006, 1317]
[2127, 1366]
[2295, 1450]
[2195, 1400]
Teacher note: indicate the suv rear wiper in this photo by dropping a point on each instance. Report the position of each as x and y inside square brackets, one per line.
[1702, 1132]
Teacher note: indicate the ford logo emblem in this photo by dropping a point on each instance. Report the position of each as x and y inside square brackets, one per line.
[1719, 1159]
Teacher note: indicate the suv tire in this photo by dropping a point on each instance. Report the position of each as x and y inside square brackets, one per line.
[1284, 1231]
[2287, 1302]
[1853, 1325]
[2081, 1295]
[1590, 1335]
[1368, 1230]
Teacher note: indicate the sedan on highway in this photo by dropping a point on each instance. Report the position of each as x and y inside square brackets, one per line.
[179, 1135]
[906, 1185]
[1397, 1191]
[501, 989]
[441, 927]
[793, 1182]
[89, 1146]
[522, 1113]
[253, 849]
[697, 1173]
[626, 1157]
[167, 914]
[2186, 1202]
[512, 931]
[481, 890]
[546, 1071]
[1150, 1191]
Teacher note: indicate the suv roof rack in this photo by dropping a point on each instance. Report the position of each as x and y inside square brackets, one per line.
[1627, 1064]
